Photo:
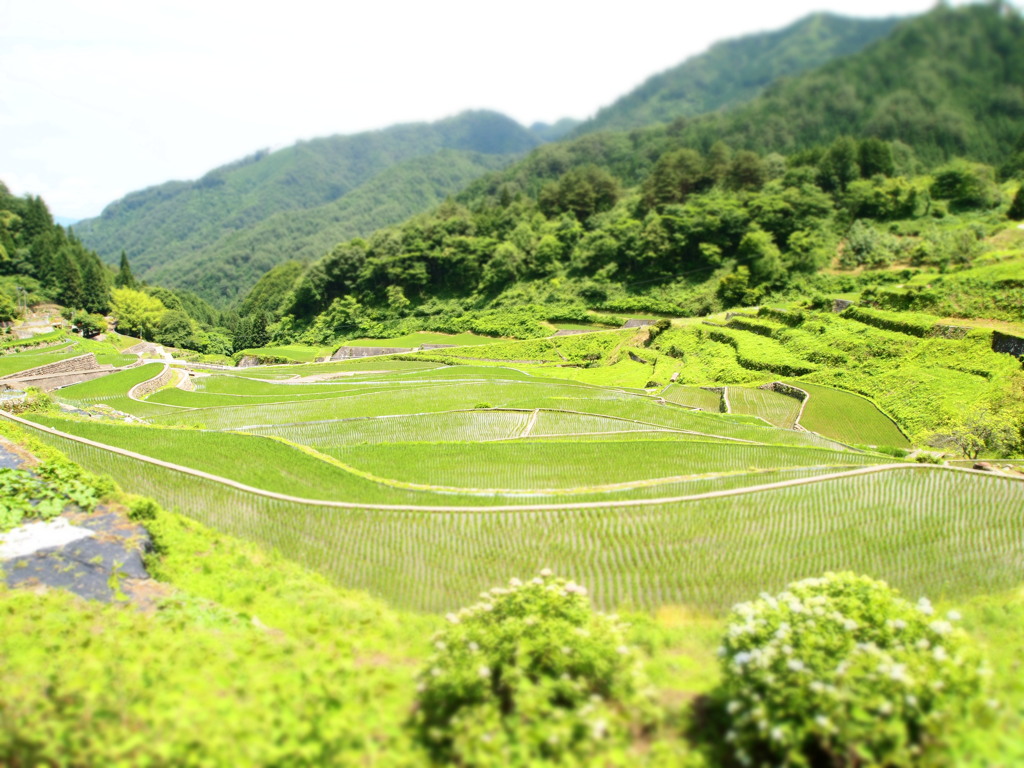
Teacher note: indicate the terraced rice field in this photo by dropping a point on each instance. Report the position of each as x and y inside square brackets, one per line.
[774, 407]
[424, 485]
[848, 417]
[926, 530]
[693, 397]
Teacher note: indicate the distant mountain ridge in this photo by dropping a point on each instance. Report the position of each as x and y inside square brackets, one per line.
[737, 70]
[195, 235]
[948, 83]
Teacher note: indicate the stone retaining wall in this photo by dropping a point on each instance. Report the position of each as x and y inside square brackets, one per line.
[185, 382]
[146, 388]
[437, 346]
[82, 363]
[349, 353]
[1010, 345]
[785, 389]
[143, 348]
[33, 347]
[949, 331]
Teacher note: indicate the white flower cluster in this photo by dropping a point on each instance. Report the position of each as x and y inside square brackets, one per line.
[815, 651]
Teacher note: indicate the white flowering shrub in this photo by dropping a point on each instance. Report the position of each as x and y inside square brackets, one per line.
[841, 671]
[530, 673]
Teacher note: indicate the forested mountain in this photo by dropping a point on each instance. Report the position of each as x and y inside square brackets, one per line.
[40, 261]
[734, 71]
[948, 83]
[330, 186]
[666, 219]
[396, 193]
[554, 131]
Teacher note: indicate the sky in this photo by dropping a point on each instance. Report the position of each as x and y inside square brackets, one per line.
[99, 98]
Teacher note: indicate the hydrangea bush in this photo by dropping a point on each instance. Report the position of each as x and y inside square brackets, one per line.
[530, 673]
[839, 671]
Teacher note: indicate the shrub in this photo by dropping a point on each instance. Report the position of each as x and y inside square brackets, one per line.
[530, 673]
[143, 508]
[35, 401]
[842, 671]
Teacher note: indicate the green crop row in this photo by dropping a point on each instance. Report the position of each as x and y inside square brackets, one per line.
[412, 474]
[529, 466]
[774, 407]
[848, 418]
[693, 397]
[708, 554]
[463, 426]
[22, 361]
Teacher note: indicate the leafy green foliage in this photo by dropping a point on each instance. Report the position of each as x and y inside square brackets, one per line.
[36, 250]
[966, 186]
[842, 669]
[43, 493]
[960, 67]
[137, 313]
[530, 673]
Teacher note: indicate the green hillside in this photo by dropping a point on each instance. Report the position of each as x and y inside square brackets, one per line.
[735, 71]
[947, 83]
[243, 255]
[167, 230]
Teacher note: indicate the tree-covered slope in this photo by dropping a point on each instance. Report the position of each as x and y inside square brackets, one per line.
[172, 228]
[243, 255]
[735, 71]
[948, 83]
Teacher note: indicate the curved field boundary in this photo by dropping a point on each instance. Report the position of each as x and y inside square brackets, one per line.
[625, 503]
[624, 485]
[858, 395]
[327, 397]
[145, 388]
[651, 425]
[775, 387]
[941, 533]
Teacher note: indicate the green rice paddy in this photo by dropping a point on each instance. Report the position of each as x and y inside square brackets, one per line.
[412, 478]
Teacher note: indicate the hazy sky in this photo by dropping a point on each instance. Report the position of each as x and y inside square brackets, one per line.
[102, 97]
